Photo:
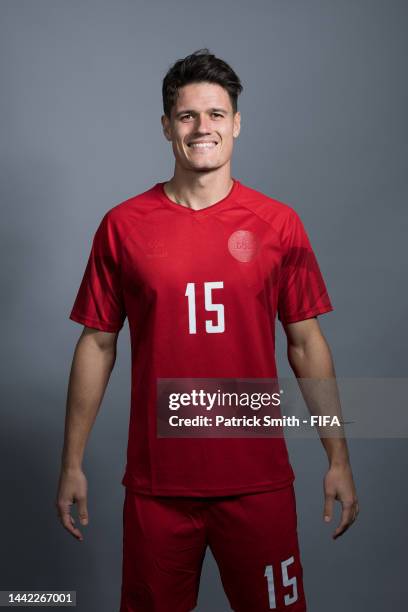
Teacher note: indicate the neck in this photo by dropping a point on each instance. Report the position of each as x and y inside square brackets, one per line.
[198, 190]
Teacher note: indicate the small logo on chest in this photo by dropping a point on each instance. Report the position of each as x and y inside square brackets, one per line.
[242, 245]
[155, 248]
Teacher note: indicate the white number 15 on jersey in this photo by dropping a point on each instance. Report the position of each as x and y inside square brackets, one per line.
[210, 327]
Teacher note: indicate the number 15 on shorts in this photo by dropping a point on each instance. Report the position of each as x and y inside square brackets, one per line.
[289, 598]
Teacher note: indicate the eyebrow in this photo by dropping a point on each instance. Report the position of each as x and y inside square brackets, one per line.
[188, 110]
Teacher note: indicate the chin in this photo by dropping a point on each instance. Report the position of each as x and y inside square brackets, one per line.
[208, 165]
[205, 168]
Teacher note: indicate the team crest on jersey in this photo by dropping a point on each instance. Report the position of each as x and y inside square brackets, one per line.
[242, 245]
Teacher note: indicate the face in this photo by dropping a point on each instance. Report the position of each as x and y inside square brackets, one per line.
[202, 113]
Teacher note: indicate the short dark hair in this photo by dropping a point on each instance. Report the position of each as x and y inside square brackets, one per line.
[200, 66]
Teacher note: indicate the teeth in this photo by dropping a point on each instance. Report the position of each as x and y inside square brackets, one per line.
[203, 145]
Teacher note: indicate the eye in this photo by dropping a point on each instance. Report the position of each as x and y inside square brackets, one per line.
[190, 115]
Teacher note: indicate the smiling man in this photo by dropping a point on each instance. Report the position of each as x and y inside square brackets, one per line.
[201, 265]
[202, 129]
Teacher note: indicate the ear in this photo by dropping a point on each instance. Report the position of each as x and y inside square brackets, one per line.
[237, 124]
[166, 127]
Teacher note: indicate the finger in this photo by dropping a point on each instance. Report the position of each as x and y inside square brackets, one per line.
[345, 520]
[69, 523]
[328, 507]
[83, 511]
[67, 520]
[356, 511]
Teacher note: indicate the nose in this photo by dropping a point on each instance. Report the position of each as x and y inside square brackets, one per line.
[202, 124]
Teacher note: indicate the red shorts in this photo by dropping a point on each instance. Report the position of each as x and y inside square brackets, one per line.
[253, 538]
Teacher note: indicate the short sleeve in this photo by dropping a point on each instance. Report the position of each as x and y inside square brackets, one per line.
[302, 290]
[99, 302]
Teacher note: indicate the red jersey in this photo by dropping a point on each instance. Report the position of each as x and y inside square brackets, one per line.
[201, 290]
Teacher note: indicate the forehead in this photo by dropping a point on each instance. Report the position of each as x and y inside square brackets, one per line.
[201, 96]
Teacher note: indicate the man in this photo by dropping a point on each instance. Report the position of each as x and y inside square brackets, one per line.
[201, 265]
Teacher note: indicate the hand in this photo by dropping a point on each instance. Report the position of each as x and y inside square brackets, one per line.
[72, 488]
[338, 484]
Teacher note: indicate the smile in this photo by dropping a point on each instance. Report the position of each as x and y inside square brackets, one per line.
[202, 145]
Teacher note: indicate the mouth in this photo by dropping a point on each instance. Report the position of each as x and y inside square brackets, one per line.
[203, 145]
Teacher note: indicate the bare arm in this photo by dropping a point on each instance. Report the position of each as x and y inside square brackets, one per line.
[92, 364]
[310, 358]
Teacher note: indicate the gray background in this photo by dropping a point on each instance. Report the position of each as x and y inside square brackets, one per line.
[323, 129]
